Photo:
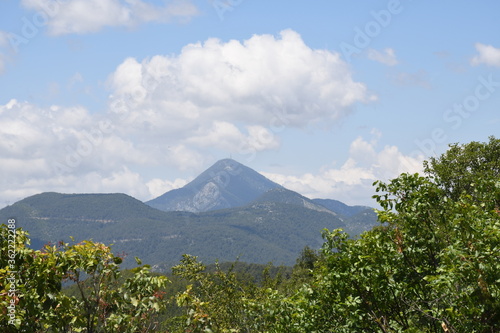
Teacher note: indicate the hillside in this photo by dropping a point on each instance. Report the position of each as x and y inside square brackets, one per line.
[108, 218]
[262, 222]
[340, 207]
[261, 232]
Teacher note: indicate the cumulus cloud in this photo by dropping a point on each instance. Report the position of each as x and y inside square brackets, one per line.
[263, 81]
[88, 16]
[174, 112]
[64, 149]
[158, 186]
[488, 55]
[232, 96]
[226, 136]
[352, 181]
[386, 57]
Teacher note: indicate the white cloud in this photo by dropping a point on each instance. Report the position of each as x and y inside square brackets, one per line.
[88, 16]
[122, 181]
[222, 135]
[67, 150]
[232, 96]
[263, 81]
[158, 186]
[352, 181]
[488, 55]
[176, 112]
[226, 136]
[387, 57]
[261, 138]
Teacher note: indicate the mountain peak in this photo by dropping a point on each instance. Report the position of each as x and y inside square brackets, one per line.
[226, 184]
[228, 163]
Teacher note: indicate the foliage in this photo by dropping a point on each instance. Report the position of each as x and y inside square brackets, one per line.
[463, 166]
[431, 266]
[215, 301]
[102, 304]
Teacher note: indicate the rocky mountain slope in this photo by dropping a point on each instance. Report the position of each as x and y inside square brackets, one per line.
[226, 184]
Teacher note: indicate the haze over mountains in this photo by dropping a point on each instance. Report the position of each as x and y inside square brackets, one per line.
[229, 211]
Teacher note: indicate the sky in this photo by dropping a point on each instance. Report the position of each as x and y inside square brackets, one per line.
[323, 97]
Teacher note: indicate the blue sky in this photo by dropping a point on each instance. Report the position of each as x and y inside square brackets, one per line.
[323, 97]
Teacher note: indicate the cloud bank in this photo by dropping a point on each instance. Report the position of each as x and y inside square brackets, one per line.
[176, 111]
[352, 181]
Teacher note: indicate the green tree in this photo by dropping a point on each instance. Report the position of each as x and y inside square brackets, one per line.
[434, 263]
[464, 167]
[102, 304]
[214, 302]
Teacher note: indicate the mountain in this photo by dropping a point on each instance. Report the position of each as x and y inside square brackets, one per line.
[282, 195]
[263, 223]
[340, 207]
[226, 184]
[109, 218]
[260, 232]
[355, 219]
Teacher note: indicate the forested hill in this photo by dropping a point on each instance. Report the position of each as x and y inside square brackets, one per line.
[266, 230]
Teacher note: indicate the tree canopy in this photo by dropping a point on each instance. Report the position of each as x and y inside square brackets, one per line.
[32, 298]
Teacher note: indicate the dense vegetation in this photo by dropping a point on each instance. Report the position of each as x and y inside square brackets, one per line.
[270, 230]
[432, 265]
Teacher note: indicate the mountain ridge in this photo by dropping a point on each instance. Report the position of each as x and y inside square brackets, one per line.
[291, 197]
[340, 207]
[273, 225]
